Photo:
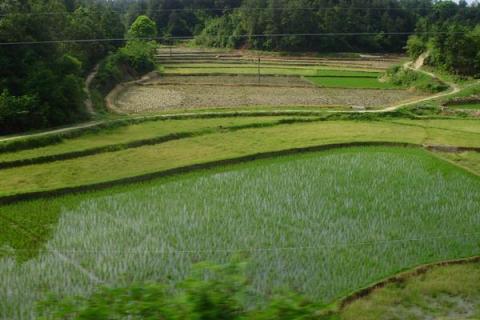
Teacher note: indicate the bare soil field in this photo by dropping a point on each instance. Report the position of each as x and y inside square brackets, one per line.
[234, 80]
[238, 91]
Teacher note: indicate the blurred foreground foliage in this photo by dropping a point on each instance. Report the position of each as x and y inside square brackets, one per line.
[210, 292]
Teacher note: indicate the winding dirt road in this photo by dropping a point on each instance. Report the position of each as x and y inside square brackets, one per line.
[86, 89]
[416, 66]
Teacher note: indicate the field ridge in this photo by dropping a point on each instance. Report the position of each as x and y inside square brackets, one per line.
[13, 198]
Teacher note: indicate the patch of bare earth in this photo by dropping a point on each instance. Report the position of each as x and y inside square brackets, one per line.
[189, 92]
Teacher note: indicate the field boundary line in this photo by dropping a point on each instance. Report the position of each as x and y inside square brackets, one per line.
[399, 278]
[12, 198]
[273, 249]
[147, 142]
[211, 84]
[8, 199]
[456, 164]
[396, 122]
[73, 132]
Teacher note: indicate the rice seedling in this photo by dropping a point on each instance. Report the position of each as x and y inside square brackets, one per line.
[323, 224]
[212, 147]
[351, 82]
[266, 70]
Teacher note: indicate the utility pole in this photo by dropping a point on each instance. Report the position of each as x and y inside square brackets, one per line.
[259, 70]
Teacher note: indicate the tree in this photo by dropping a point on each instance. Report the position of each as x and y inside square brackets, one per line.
[415, 46]
[142, 28]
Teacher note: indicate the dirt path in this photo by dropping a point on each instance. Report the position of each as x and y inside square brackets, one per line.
[86, 89]
[416, 66]
[454, 88]
[61, 130]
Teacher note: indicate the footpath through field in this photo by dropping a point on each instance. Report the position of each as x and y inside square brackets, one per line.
[416, 66]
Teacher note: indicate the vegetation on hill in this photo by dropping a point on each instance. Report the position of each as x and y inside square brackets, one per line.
[408, 78]
[451, 35]
[130, 61]
[41, 85]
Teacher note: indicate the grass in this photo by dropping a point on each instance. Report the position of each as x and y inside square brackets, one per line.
[469, 106]
[153, 129]
[463, 126]
[323, 224]
[141, 131]
[213, 147]
[448, 292]
[351, 83]
[316, 70]
[470, 160]
[267, 71]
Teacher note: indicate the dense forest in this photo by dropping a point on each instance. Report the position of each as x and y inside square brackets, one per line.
[41, 78]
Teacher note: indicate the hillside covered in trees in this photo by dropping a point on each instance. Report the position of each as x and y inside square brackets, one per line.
[44, 56]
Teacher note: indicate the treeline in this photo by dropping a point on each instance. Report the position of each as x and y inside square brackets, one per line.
[278, 17]
[41, 85]
[450, 35]
[445, 27]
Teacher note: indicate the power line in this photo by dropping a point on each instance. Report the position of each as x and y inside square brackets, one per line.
[292, 248]
[231, 9]
[326, 34]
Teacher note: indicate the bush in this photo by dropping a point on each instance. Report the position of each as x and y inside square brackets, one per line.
[140, 55]
[415, 47]
[211, 292]
[137, 57]
[142, 28]
[20, 113]
[222, 32]
[408, 78]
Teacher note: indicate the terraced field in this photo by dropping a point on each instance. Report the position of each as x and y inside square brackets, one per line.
[140, 99]
[214, 145]
[214, 79]
[280, 213]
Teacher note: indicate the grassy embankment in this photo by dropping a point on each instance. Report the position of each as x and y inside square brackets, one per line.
[344, 77]
[445, 292]
[473, 106]
[222, 145]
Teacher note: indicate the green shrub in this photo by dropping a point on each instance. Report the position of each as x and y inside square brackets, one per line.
[212, 292]
[222, 32]
[415, 47]
[142, 28]
[140, 55]
[19, 113]
[127, 63]
[408, 78]
[136, 58]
